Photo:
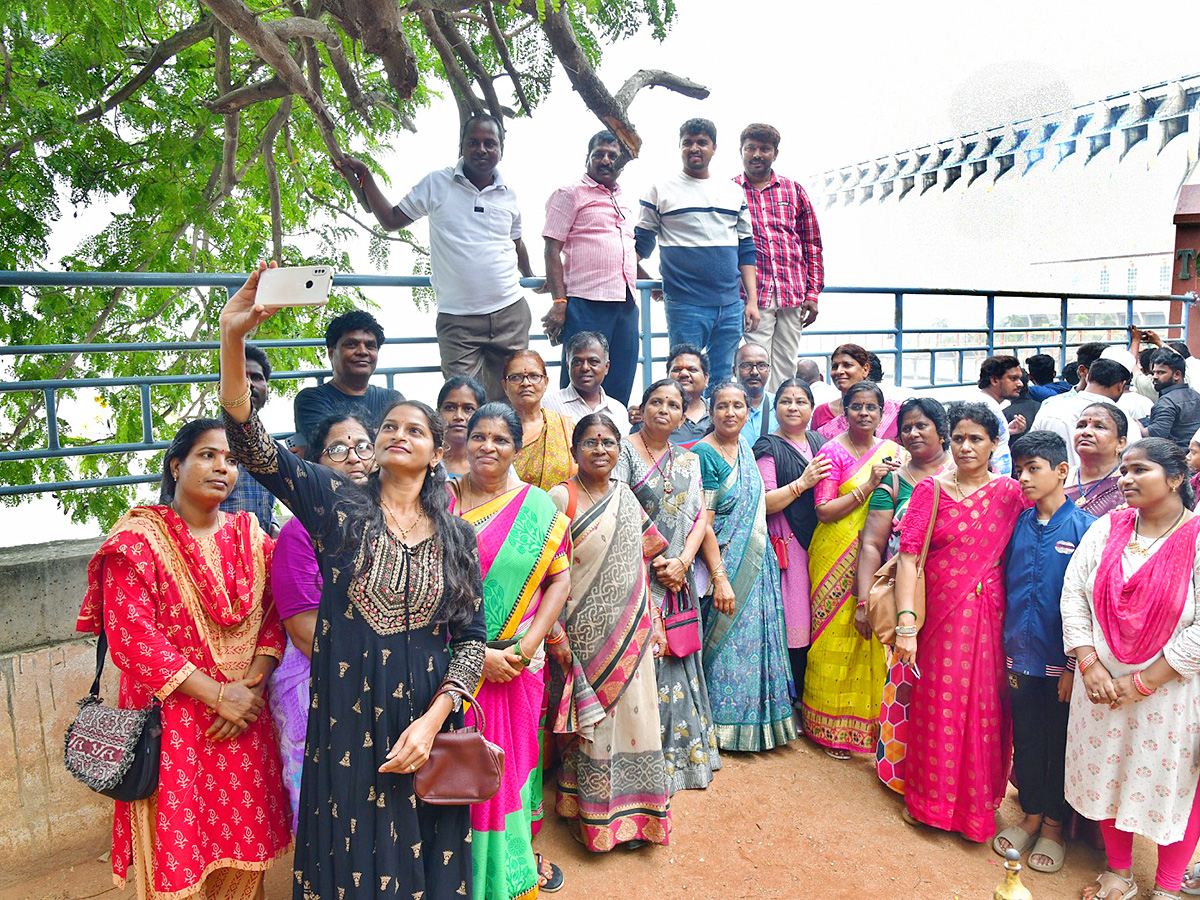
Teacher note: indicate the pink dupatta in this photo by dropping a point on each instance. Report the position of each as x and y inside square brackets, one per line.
[1138, 614]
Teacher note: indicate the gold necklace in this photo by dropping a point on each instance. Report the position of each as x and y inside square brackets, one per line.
[395, 521]
[724, 455]
[469, 486]
[579, 482]
[958, 487]
[1135, 545]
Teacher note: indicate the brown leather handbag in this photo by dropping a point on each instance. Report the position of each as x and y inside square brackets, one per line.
[463, 766]
[881, 598]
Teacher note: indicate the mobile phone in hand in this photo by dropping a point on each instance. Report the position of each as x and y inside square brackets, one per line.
[295, 286]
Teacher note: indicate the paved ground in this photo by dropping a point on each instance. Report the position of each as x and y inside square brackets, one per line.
[787, 824]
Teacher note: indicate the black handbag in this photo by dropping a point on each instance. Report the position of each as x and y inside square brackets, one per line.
[114, 752]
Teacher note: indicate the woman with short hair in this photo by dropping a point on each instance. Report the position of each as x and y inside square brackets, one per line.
[1100, 438]
[544, 458]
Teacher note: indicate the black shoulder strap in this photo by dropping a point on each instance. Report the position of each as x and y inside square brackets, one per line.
[101, 652]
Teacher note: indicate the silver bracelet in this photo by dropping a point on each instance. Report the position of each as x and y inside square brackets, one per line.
[907, 630]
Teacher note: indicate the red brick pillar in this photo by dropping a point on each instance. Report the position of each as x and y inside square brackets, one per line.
[1185, 278]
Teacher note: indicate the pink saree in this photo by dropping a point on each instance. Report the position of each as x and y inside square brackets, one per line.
[959, 733]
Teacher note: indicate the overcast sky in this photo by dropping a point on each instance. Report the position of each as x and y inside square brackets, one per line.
[843, 83]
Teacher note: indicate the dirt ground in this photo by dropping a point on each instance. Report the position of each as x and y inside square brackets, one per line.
[786, 824]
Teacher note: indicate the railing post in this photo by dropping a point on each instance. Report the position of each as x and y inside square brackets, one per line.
[899, 338]
[1062, 346]
[51, 420]
[147, 416]
[991, 324]
[647, 340]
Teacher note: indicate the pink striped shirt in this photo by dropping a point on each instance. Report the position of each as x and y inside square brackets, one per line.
[597, 235]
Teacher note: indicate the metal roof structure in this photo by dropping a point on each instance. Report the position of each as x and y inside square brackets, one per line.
[1156, 114]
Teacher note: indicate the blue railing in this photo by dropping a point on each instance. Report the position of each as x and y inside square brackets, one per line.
[930, 355]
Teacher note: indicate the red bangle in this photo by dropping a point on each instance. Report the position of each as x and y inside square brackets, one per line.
[1088, 660]
[1140, 686]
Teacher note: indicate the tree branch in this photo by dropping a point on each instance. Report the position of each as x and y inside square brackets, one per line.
[462, 48]
[505, 59]
[162, 52]
[401, 237]
[377, 24]
[224, 78]
[276, 203]
[239, 98]
[467, 101]
[643, 78]
[308, 30]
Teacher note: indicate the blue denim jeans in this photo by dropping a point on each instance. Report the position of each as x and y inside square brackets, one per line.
[620, 325]
[717, 329]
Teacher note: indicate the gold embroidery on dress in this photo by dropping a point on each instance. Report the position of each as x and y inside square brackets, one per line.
[398, 577]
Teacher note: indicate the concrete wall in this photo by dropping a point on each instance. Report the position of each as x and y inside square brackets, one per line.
[45, 668]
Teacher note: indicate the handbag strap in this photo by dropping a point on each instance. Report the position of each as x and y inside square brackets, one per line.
[454, 686]
[937, 494]
[101, 652]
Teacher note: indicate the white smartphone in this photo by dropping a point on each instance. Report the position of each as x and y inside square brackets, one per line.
[295, 286]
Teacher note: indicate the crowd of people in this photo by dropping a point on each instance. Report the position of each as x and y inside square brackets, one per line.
[707, 553]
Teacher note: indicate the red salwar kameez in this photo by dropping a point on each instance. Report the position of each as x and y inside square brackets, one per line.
[173, 603]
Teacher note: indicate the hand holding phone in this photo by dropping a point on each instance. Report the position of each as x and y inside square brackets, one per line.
[295, 286]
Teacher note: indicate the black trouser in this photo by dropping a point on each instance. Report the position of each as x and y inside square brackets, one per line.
[1039, 744]
[798, 657]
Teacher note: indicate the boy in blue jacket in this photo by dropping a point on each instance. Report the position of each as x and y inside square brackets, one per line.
[1039, 673]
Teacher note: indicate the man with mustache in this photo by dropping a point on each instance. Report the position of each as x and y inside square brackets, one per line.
[476, 253]
[703, 227]
[752, 369]
[790, 270]
[591, 265]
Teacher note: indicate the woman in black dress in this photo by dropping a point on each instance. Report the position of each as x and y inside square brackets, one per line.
[399, 615]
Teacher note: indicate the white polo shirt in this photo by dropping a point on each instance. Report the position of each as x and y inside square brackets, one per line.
[471, 233]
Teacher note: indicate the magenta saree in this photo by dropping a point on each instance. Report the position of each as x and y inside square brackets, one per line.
[959, 733]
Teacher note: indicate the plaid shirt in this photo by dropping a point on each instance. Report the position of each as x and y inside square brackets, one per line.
[252, 497]
[788, 241]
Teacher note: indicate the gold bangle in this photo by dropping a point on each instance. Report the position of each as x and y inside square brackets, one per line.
[234, 404]
[220, 696]
[559, 300]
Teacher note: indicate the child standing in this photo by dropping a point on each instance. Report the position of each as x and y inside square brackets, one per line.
[1039, 673]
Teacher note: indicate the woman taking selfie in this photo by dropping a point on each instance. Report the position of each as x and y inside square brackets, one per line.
[399, 617]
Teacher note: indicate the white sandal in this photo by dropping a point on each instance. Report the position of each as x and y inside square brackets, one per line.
[1110, 881]
[1193, 873]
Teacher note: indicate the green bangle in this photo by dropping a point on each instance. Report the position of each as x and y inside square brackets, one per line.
[903, 611]
[521, 657]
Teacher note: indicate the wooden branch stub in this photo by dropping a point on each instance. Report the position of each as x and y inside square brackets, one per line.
[644, 78]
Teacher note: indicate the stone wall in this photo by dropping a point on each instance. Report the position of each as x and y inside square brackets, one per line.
[45, 668]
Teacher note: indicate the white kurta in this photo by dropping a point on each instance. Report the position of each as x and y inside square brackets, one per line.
[1140, 764]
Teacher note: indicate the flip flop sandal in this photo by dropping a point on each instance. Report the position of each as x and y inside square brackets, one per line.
[1055, 851]
[1194, 874]
[556, 880]
[909, 818]
[1111, 881]
[1018, 839]
[1161, 893]
[836, 754]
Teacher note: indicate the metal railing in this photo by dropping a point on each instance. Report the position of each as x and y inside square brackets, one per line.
[915, 352]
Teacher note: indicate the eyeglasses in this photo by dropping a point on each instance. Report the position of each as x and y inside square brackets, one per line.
[860, 407]
[592, 444]
[531, 377]
[339, 452]
[754, 367]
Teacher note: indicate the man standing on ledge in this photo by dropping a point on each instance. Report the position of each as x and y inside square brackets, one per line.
[476, 253]
[703, 227]
[587, 222]
[791, 273]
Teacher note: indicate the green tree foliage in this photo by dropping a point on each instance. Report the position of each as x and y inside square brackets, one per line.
[211, 128]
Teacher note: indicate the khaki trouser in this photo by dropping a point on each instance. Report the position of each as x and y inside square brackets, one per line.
[778, 333]
[478, 345]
